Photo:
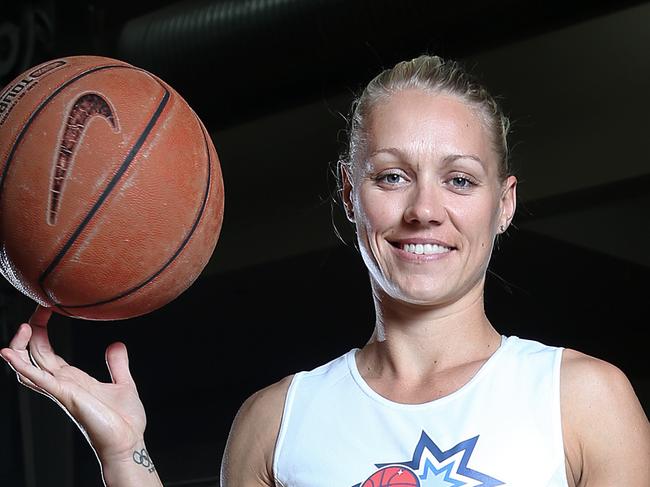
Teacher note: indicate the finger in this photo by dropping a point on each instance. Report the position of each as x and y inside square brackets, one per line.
[41, 316]
[18, 351]
[40, 348]
[19, 366]
[117, 360]
[21, 338]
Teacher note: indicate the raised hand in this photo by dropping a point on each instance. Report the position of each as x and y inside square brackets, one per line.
[110, 415]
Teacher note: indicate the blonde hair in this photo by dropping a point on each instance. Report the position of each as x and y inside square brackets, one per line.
[429, 73]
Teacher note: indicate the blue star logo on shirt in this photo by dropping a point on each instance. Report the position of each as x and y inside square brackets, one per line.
[436, 468]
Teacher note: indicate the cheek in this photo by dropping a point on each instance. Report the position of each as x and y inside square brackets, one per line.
[375, 211]
[476, 220]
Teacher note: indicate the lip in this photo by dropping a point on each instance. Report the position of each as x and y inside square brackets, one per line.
[399, 242]
[396, 245]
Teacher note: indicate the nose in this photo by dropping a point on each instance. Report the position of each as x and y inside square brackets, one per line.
[425, 206]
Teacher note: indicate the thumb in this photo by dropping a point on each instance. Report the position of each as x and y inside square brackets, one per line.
[117, 360]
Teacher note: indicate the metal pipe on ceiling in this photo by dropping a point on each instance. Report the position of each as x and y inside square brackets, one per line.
[234, 60]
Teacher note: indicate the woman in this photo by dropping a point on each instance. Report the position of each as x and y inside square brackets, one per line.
[437, 396]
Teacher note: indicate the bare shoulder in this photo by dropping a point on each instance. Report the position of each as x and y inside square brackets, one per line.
[248, 457]
[266, 405]
[606, 431]
[587, 377]
[591, 386]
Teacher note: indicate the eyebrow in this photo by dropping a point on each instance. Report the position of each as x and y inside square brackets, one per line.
[446, 161]
[389, 150]
[454, 157]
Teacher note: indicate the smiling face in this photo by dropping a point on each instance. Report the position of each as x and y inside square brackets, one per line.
[426, 198]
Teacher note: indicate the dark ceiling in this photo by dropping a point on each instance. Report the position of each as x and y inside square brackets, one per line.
[265, 71]
[236, 60]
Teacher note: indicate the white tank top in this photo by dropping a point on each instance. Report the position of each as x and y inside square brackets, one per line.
[501, 428]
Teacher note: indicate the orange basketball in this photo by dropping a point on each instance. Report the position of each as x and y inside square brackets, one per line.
[392, 476]
[111, 193]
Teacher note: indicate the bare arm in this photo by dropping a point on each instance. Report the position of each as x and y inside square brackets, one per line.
[110, 415]
[607, 434]
[248, 458]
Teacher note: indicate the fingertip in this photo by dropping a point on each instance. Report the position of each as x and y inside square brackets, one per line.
[117, 361]
[21, 338]
[116, 349]
[117, 346]
[24, 327]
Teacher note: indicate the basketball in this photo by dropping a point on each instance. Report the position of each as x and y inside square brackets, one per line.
[111, 191]
[393, 476]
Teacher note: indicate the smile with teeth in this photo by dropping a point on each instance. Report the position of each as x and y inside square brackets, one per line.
[426, 249]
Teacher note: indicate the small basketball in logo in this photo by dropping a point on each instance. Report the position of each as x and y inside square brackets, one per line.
[392, 476]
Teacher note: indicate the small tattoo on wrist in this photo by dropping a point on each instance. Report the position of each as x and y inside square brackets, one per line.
[142, 458]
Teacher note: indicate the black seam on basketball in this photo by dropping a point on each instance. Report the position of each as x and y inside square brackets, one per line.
[180, 248]
[102, 198]
[43, 104]
[31, 119]
[109, 188]
[63, 310]
[85, 108]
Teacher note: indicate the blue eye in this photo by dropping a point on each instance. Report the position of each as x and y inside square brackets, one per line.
[391, 178]
[461, 182]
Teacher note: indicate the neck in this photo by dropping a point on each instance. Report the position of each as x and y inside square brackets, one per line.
[416, 340]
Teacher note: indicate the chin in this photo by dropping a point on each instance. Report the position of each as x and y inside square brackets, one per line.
[424, 300]
[424, 295]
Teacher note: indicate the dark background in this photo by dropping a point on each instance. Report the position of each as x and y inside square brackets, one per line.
[273, 81]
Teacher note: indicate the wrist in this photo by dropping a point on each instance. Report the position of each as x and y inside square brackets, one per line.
[132, 467]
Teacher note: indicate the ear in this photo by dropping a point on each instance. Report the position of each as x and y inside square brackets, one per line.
[508, 203]
[346, 190]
